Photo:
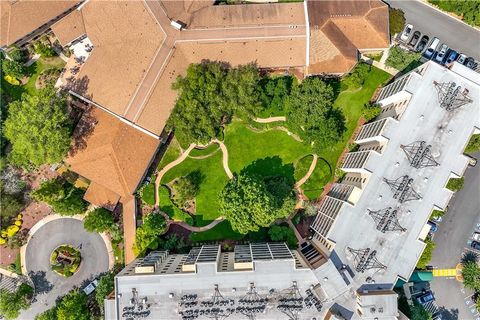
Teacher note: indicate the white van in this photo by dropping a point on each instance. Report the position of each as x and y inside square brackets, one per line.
[431, 49]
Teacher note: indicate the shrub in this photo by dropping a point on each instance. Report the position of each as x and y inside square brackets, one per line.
[357, 77]
[44, 48]
[370, 112]
[13, 68]
[17, 55]
[99, 220]
[397, 20]
[468, 10]
[186, 188]
[12, 302]
[437, 214]
[473, 144]
[62, 196]
[426, 255]
[12, 80]
[146, 236]
[10, 206]
[455, 184]
[401, 59]
[283, 234]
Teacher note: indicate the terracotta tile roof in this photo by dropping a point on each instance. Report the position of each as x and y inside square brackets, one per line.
[69, 28]
[263, 52]
[102, 197]
[348, 25]
[183, 10]
[251, 14]
[125, 38]
[106, 151]
[19, 18]
[129, 208]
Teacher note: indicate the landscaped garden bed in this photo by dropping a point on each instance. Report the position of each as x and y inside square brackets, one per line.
[65, 260]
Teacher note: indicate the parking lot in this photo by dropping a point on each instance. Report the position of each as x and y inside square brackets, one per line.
[433, 48]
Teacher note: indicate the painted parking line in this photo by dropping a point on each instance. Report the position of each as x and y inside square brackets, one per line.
[444, 272]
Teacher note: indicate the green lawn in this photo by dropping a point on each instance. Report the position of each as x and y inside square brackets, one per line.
[221, 231]
[34, 71]
[167, 206]
[214, 179]
[322, 174]
[245, 146]
[148, 195]
[203, 152]
[172, 153]
[302, 166]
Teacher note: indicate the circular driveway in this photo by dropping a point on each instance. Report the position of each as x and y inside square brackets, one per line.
[48, 284]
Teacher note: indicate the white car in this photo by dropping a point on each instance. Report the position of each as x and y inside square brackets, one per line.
[461, 58]
[441, 53]
[476, 236]
[91, 287]
[406, 32]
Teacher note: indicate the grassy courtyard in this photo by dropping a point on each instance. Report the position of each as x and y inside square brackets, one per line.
[266, 151]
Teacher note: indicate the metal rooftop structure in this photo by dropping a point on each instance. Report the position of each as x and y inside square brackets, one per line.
[452, 96]
[386, 220]
[365, 259]
[402, 189]
[419, 154]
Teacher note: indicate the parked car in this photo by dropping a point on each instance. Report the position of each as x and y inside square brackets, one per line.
[475, 245]
[425, 298]
[415, 38]
[406, 32]
[461, 58]
[476, 236]
[437, 219]
[422, 44]
[451, 56]
[440, 57]
[470, 62]
[433, 226]
[91, 287]
[431, 49]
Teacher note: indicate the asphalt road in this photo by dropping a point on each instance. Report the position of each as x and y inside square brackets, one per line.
[452, 240]
[49, 285]
[429, 21]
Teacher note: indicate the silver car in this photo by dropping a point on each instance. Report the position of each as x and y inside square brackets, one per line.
[461, 58]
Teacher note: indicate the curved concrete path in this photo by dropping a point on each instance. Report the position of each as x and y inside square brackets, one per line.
[225, 158]
[198, 229]
[309, 172]
[43, 240]
[271, 119]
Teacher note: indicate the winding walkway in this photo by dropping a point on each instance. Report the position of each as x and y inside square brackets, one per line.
[198, 229]
[271, 119]
[309, 172]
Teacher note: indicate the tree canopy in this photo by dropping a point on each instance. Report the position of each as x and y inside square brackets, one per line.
[418, 312]
[283, 234]
[471, 275]
[104, 288]
[12, 302]
[396, 20]
[274, 92]
[357, 77]
[38, 128]
[73, 306]
[186, 188]
[248, 204]
[147, 234]
[62, 196]
[13, 68]
[468, 10]
[99, 220]
[210, 94]
[400, 59]
[310, 113]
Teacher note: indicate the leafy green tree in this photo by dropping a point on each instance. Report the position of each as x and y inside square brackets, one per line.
[400, 59]
[274, 92]
[310, 114]
[13, 68]
[146, 236]
[50, 314]
[104, 288]
[210, 94]
[284, 234]
[44, 48]
[173, 242]
[10, 207]
[357, 77]
[73, 306]
[38, 128]
[426, 255]
[17, 55]
[418, 312]
[247, 204]
[468, 10]
[186, 188]
[62, 196]
[396, 20]
[371, 111]
[471, 275]
[12, 302]
[99, 220]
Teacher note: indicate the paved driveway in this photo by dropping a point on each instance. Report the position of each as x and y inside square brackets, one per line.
[452, 239]
[50, 285]
[429, 21]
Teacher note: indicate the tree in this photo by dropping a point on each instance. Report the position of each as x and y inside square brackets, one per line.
[99, 220]
[274, 92]
[186, 188]
[44, 48]
[248, 205]
[357, 77]
[13, 68]
[471, 275]
[396, 21]
[73, 306]
[210, 94]
[10, 207]
[311, 115]
[12, 302]
[426, 255]
[17, 55]
[50, 314]
[400, 59]
[371, 111]
[283, 234]
[38, 128]
[468, 10]
[104, 288]
[418, 312]
[62, 196]
[146, 236]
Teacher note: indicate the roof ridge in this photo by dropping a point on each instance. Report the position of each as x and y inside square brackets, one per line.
[336, 41]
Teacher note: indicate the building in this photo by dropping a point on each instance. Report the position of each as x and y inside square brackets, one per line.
[24, 20]
[256, 281]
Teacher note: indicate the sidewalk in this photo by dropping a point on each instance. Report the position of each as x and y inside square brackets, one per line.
[381, 64]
